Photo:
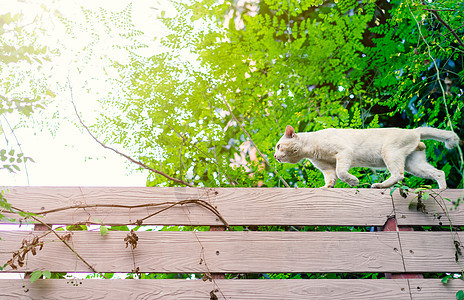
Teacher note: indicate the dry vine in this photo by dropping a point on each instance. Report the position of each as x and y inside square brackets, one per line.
[170, 204]
[131, 239]
[63, 239]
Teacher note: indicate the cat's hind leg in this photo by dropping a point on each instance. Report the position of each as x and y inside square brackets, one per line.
[416, 164]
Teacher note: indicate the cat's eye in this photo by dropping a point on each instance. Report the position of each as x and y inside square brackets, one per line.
[278, 146]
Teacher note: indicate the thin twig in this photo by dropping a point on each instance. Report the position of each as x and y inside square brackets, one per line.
[439, 9]
[19, 146]
[251, 140]
[180, 181]
[184, 139]
[454, 29]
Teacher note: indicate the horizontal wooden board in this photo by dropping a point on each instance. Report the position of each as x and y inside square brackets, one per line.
[430, 251]
[219, 252]
[421, 289]
[438, 206]
[433, 289]
[196, 289]
[238, 206]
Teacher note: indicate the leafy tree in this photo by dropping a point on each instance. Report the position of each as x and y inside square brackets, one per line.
[24, 89]
[264, 77]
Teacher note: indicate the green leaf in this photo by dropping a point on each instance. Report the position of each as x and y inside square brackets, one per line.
[29, 158]
[47, 274]
[460, 295]
[445, 279]
[392, 190]
[120, 228]
[103, 230]
[425, 196]
[36, 275]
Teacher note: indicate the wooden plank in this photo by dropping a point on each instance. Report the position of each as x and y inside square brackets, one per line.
[391, 225]
[215, 252]
[348, 289]
[217, 275]
[435, 206]
[433, 289]
[429, 251]
[238, 206]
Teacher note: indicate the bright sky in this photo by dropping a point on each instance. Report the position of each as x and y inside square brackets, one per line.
[71, 157]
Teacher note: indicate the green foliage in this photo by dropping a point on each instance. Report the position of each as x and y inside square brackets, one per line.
[39, 273]
[103, 230]
[445, 279]
[418, 68]
[11, 160]
[23, 88]
[99, 275]
[460, 295]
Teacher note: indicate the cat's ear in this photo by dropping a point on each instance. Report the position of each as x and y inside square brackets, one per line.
[290, 132]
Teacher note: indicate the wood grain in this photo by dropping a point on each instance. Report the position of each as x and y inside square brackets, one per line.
[434, 205]
[349, 289]
[433, 289]
[238, 206]
[216, 252]
[429, 251]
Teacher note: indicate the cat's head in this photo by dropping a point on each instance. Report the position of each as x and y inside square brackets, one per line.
[288, 149]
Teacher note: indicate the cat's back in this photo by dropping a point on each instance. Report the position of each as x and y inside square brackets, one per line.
[374, 137]
[361, 132]
[366, 131]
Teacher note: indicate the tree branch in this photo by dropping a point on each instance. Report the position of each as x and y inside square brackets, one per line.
[435, 13]
[180, 181]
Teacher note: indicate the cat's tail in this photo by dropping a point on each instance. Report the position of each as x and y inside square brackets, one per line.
[450, 138]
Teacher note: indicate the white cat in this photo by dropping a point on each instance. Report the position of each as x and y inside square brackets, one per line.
[335, 151]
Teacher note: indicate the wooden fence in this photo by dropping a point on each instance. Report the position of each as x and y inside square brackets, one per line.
[398, 252]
